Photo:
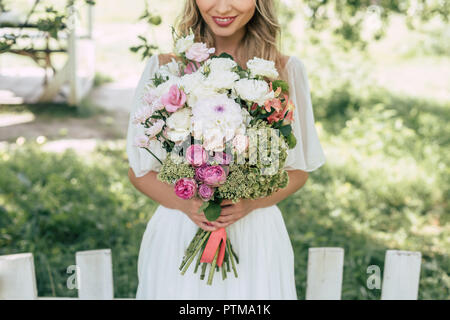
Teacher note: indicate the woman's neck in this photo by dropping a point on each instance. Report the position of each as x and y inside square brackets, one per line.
[229, 44]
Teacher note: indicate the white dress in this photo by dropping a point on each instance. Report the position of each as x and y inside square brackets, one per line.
[260, 239]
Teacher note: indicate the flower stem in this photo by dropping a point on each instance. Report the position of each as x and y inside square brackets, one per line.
[200, 253]
[232, 259]
[202, 275]
[213, 267]
[198, 236]
[154, 155]
[199, 246]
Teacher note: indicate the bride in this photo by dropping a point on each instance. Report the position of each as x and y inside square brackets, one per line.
[244, 29]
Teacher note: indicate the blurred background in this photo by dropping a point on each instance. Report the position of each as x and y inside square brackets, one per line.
[379, 73]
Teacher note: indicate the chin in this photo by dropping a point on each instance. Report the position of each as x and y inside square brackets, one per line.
[224, 32]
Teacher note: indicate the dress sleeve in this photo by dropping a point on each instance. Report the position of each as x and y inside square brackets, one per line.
[140, 160]
[308, 154]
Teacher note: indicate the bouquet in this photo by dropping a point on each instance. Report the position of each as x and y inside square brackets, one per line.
[226, 131]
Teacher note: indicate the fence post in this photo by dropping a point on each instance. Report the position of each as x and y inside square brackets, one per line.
[401, 275]
[324, 277]
[94, 275]
[17, 277]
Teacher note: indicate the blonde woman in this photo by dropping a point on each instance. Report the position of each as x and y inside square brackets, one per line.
[244, 29]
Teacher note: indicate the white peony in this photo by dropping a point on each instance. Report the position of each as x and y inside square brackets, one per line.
[213, 140]
[261, 67]
[183, 44]
[253, 90]
[215, 119]
[179, 125]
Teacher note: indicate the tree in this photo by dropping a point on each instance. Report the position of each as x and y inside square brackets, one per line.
[350, 19]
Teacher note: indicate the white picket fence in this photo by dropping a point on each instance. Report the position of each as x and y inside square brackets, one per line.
[324, 275]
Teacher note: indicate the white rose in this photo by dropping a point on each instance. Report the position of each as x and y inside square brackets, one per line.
[195, 86]
[222, 79]
[170, 70]
[221, 64]
[261, 67]
[253, 90]
[192, 81]
[173, 67]
[184, 43]
[179, 124]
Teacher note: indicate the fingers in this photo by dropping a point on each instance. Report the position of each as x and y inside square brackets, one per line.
[226, 219]
[206, 227]
[218, 224]
[226, 211]
[226, 202]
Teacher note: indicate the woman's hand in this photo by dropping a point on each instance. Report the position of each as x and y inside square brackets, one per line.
[232, 212]
[190, 208]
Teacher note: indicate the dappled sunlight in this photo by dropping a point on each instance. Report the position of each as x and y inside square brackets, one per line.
[10, 119]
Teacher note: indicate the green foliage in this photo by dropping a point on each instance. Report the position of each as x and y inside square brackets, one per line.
[45, 18]
[174, 169]
[56, 204]
[146, 48]
[349, 20]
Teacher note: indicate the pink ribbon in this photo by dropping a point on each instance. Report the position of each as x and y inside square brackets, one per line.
[216, 239]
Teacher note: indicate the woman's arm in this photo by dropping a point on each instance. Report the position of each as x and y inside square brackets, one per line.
[156, 190]
[233, 212]
[164, 194]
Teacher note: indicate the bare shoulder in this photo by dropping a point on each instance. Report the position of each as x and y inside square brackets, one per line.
[165, 58]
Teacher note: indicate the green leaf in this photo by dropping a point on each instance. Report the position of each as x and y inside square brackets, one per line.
[212, 212]
[203, 207]
[280, 83]
[291, 141]
[286, 130]
[225, 55]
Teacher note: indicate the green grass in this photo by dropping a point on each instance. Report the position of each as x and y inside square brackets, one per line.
[385, 186]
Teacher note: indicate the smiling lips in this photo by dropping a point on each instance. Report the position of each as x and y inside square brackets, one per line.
[224, 21]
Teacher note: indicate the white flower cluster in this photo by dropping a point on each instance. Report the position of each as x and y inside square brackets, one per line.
[207, 91]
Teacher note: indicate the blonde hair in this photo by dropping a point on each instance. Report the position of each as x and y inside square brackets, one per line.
[262, 33]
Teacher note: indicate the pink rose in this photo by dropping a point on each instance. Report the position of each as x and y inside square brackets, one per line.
[200, 173]
[191, 67]
[196, 155]
[214, 176]
[174, 99]
[185, 188]
[205, 192]
[199, 52]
